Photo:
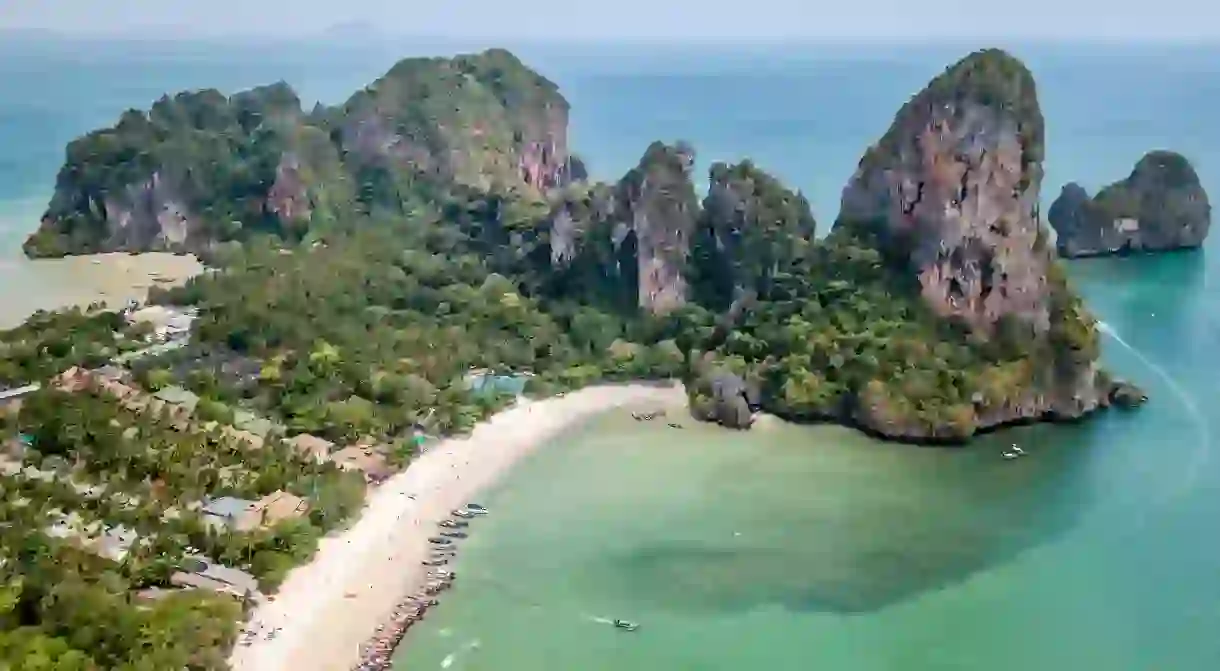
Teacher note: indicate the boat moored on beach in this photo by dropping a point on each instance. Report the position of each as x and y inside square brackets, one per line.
[453, 534]
[437, 540]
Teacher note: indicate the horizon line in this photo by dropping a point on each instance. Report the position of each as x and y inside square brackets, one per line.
[342, 33]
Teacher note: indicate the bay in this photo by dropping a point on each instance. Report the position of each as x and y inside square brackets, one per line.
[1094, 553]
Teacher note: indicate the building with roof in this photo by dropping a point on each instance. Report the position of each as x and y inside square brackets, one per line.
[244, 420]
[167, 323]
[228, 513]
[310, 446]
[364, 459]
[175, 395]
[279, 506]
[10, 399]
[114, 543]
[73, 380]
[199, 572]
[484, 382]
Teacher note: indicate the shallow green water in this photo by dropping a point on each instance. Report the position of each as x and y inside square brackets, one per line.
[797, 548]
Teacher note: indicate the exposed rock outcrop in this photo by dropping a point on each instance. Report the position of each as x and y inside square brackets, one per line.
[663, 207]
[951, 192]
[1161, 205]
[631, 239]
[949, 195]
[723, 397]
[751, 227]
[201, 167]
[483, 120]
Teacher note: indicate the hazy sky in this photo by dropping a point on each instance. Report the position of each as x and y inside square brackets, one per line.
[676, 20]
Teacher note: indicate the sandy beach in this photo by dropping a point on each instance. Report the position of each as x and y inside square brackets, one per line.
[326, 609]
[113, 278]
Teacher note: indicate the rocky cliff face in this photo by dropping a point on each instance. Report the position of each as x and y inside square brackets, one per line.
[662, 208]
[751, 226]
[629, 242]
[483, 120]
[949, 195]
[201, 167]
[1161, 205]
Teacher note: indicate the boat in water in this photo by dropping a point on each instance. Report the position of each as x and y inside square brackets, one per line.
[464, 514]
[626, 625]
[1013, 452]
[453, 534]
[475, 507]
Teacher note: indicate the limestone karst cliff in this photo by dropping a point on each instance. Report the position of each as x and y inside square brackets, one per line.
[200, 167]
[934, 309]
[629, 242]
[1161, 205]
[751, 227]
[950, 196]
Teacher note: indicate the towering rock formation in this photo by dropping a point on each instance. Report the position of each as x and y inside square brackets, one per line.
[949, 196]
[662, 208]
[751, 227]
[629, 242]
[1161, 205]
[483, 120]
[951, 193]
[200, 168]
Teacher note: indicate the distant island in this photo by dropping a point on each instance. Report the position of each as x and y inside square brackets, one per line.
[1160, 206]
[373, 264]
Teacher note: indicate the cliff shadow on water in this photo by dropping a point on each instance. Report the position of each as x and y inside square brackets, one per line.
[807, 519]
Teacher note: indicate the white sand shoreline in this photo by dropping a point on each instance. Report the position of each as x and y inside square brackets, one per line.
[113, 278]
[377, 560]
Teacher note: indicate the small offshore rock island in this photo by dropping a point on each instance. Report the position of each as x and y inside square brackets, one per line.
[1160, 206]
[933, 310]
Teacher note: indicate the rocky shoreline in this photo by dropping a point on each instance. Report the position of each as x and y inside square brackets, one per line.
[378, 652]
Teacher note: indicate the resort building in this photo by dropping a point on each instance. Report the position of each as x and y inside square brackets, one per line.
[253, 424]
[114, 543]
[167, 323]
[310, 446]
[484, 381]
[10, 399]
[277, 507]
[176, 401]
[228, 513]
[73, 380]
[199, 572]
[364, 459]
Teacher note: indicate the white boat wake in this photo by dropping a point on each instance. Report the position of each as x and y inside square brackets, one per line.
[452, 657]
[1203, 451]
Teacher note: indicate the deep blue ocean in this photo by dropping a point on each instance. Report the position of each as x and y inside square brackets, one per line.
[1099, 553]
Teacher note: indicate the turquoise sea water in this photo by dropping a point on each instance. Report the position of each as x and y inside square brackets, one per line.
[801, 548]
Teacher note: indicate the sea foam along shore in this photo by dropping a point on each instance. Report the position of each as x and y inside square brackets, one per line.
[326, 609]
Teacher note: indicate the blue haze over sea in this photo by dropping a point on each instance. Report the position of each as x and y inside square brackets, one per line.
[797, 548]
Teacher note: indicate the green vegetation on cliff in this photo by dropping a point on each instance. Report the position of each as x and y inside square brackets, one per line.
[1160, 205]
[201, 168]
[435, 224]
